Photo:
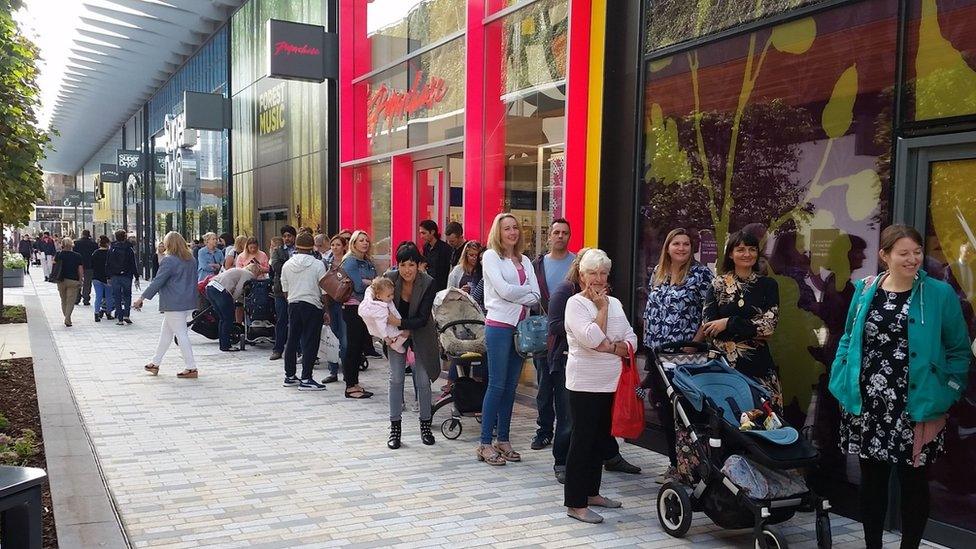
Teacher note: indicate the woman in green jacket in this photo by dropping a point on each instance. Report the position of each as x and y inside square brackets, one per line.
[902, 362]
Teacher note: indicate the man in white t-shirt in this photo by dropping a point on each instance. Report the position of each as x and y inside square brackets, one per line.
[301, 280]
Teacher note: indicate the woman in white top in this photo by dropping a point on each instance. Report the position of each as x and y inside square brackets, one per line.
[598, 335]
[510, 289]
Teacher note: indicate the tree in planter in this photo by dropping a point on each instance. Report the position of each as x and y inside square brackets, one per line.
[22, 142]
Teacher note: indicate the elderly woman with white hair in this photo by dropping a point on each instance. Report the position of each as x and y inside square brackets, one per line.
[598, 335]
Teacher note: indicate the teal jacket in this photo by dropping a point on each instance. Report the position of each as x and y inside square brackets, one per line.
[938, 348]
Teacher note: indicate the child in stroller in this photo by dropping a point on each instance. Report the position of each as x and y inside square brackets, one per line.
[461, 331]
[746, 476]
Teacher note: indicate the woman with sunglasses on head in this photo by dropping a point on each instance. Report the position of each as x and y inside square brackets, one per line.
[741, 312]
[467, 273]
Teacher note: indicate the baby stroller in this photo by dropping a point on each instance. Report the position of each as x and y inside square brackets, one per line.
[259, 313]
[204, 319]
[461, 332]
[744, 478]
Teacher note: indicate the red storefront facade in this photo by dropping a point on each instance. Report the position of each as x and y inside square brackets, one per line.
[456, 110]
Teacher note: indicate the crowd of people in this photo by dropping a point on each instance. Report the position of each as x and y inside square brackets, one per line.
[902, 361]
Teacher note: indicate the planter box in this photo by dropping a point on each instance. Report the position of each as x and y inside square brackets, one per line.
[13, 278]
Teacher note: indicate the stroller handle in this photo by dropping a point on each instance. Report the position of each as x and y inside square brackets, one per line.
[676, 347]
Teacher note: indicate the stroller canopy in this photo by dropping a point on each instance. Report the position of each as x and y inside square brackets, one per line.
[460, 322]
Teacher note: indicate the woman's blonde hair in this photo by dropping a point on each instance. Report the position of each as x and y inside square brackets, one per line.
[176, 246]
[206, 237]
[352, 245]
[573, 274]
[67, 244]
[663, 268]
[463, 260]
[240, 243]
[495, 235]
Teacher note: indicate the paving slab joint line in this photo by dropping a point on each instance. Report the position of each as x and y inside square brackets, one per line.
[32, 304]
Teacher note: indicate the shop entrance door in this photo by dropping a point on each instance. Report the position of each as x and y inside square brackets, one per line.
[937, 199]
[271, 222]
[438, 189]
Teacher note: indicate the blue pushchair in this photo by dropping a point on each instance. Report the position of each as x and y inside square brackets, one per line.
[743, 478]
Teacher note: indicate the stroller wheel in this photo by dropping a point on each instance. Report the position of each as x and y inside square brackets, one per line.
[451, 428]
[674, 509]
[364, 364]
[824, 537]
[772, 538]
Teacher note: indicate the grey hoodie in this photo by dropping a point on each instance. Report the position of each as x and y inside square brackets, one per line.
[300, 278]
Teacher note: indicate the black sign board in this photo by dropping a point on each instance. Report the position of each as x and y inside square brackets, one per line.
[160, 163]
[108, 173]
[298, 51]
[88, 197]
[129, 161]
[206, 111]
[71, 198]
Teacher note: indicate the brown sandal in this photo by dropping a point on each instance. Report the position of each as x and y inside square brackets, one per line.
[508, 455]
[152, 369]
[187, 374]
[489, 455]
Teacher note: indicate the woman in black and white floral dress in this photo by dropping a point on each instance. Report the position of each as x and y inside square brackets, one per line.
[741, 312]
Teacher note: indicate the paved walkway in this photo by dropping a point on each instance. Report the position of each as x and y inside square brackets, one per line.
[232, 459]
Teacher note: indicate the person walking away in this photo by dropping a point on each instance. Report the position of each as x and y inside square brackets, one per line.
[454, 236]
[279, 256]
[598, 336]
[301, 283]
[338, 246]
[361, 270]
[902, 362]
[104, 303]
[85, 247]
[120, 267]
[26, 249]
[209, 259]
[558, 353]
[437, 253]
[550, 270]
[676, 293]
[510, 289]
[176, 284]
[46, 246]
[413, 298]
[223, 292]
[69, 282]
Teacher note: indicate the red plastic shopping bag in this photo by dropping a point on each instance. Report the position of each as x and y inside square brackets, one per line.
[628, 410]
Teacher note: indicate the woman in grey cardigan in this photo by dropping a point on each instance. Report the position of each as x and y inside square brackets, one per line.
[413, 296]
[176, 284]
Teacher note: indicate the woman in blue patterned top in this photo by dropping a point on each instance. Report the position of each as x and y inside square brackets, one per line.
[675, 300]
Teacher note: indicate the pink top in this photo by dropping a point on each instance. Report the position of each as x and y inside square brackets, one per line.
[521, 275]
[244, 258]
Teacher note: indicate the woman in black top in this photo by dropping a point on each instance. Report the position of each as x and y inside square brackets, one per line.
[741, 312]
[69, 281]
[103, 292]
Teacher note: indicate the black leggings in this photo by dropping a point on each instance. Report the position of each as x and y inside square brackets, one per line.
[875, 476]
[357, 338]
[591, 415]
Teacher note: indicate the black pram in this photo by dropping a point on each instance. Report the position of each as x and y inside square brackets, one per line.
[259, 313]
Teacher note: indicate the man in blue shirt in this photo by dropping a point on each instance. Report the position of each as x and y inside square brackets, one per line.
[550, 270]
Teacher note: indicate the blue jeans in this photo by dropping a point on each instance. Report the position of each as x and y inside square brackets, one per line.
[338, 327]
[122, 294]
[281, 324]
[504, 368]
[544, 397]
[103, 297]
[223, 305]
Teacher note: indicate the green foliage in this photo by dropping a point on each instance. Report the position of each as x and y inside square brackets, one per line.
[4, 422]
[17, 451]
[13, 261]
[22, 142]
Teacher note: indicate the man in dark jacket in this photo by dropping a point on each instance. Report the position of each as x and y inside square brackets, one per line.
[279, 256]
[85, 247]
[454, 236]
[26, 249]
[45, 245]
[120, 267]
[437, 254]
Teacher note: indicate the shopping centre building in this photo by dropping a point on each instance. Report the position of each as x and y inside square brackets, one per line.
[814, 122]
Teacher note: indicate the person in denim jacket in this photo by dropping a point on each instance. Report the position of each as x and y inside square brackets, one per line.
[359, 266]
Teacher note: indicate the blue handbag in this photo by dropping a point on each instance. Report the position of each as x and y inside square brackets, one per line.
[531, 334]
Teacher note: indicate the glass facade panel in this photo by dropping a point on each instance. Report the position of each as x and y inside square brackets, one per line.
[526, 119]
[674, 21]
[950, 250]
[372, 196]
[395, 28]
[941, 59]
[785, 131]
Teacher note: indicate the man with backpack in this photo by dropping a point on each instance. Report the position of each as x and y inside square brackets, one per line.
[120, 267]
[279, 256]
[85, 247]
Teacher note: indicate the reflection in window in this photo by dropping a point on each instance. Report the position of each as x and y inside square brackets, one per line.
[398, 27]
[534, 41]
[941, 66]
[796, 150]
[372, 195]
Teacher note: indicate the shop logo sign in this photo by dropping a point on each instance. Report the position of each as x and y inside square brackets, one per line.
[177, 140]
[298, 51]
[129, 161]
[287, 48]
[108, 173]
[387, 107]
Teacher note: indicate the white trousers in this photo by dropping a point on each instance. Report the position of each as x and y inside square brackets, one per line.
[174, 324]
[47, 262]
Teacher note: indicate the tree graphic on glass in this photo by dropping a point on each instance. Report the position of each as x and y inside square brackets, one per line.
[725, 169]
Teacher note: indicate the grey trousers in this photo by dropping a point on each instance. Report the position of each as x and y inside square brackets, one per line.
[421, 384]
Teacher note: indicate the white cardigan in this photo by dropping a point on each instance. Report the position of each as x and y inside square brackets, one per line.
[504, 295]
[587, 369]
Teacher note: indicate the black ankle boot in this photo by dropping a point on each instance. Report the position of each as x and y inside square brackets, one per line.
[394, 441]
[425, 435]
